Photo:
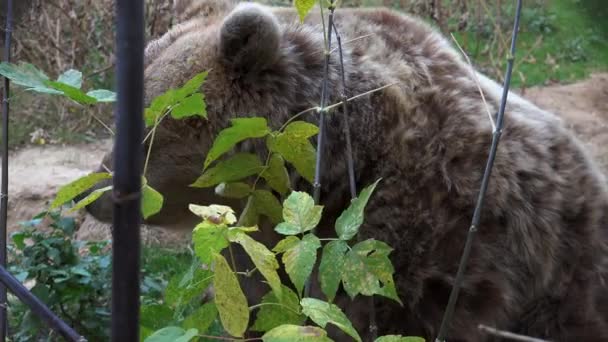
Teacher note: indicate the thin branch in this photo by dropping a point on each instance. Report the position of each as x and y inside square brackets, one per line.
[351, 41]
[373, 327]
[332, 106]
[476, 79]
[447, 317]
[508, 335]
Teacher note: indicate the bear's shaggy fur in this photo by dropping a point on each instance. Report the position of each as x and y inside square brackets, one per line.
[537, 266]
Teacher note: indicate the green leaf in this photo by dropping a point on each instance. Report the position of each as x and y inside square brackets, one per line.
[184, 288]
[172, 97]
[172, 334]
[293, 145]
[155, 316]
[229, 298]
[102, 95]
[286, 244]
[202, 318]
[322, 313]
[233, 190]
[237, 167]
[347, 225]
[72, 92]
[296, 333]
[151, 201]
[192, 86]
[19, 239]
[276, 174]
[300, 259]
[69, 191]
[25, 75]
[208, 239]
[304, 7]
[262, 258]
[300, 214]
[368, 270]
[241, 129]
[92, 197]
[268, 205]
[190, 106]
[399, 338]
[72, 78]
[274, 311]
[330, 268]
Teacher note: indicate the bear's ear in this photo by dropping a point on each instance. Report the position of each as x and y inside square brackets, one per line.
[250, 38]
[185, 10]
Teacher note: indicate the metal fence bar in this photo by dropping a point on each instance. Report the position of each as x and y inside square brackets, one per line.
[128, 159]
[38, 307]
[449, 311]
[4, 187]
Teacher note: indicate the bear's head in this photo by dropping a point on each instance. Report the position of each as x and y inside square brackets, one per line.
[259, 64]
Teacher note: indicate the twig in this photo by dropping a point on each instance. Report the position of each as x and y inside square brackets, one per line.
[447, 317]
[373, 327]
[476, 79]
[508, 335]
[350, 41]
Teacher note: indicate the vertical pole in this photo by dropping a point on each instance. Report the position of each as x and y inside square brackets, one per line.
[128, 156]
[4, 187]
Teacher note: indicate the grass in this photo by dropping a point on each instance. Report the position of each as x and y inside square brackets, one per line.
[559, 41]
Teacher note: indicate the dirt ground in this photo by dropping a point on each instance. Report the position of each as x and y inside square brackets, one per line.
[35, 173]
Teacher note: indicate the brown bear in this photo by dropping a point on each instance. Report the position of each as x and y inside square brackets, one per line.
[538, 264]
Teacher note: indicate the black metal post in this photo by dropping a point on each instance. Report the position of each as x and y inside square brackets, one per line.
[4, 187]
[127, 169]
[38, 307]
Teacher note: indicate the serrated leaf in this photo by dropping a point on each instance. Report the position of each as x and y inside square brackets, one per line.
[202, 318]
[369, 271]
[296, 333]
[155, 316]
[229, 298]
[193, 85]
[172, 334]
[69, 191]
[92, 197]
[347, 225]
[237, 167]
[322, 313]
[241, 129]
[184, 288]
[72, 92]
[293, 145]
[330, 268]
[399, 338]
[268, 205]
[233, 190]
[216, 214]
[276, 174]
[286, 244]
[208, 239]
[277, 311]
[172, 97]
[190, 106]
[151, 201]
[300, 214]
[263, 259]
[300, 259]
[102, 95]
[72, 78]
[304, 7]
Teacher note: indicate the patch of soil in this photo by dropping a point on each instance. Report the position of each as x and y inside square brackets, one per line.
[35, 173]
[583, 106]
